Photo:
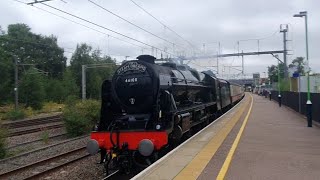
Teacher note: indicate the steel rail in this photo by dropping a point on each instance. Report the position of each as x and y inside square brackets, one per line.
[45, 161]
[33, 130]
[35, 141]
[41, 149]
[32, 122]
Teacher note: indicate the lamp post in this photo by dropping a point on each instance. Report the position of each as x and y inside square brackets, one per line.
[309, 103]
[279, 90]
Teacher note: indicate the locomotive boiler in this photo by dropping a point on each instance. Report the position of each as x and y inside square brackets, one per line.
[149, 107]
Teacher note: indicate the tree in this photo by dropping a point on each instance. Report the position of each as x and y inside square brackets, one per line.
[273, 72]
[84, 55]
[81, 56]
[1, 31]
[32, 90]
[69, 84]
[54, 90]
[299, 63]
[6, 76]
[43, 51]
[29, 48]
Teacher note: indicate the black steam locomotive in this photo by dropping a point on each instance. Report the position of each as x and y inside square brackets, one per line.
[148, 107]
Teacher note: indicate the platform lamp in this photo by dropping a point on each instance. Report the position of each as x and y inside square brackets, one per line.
[309, 103]
[279, 81]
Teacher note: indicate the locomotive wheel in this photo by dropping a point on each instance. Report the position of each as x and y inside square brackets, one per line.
[142, 161]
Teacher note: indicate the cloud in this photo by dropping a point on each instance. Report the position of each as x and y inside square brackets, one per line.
[199, 22]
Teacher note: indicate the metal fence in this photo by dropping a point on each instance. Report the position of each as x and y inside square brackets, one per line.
[291, 99]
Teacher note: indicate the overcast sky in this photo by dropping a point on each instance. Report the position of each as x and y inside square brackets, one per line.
[199, 22]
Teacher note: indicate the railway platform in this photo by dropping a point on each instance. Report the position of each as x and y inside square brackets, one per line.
[255, 140]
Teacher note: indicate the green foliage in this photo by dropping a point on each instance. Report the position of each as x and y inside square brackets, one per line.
[49, 107]
[3, 135]
[284, 85]
[6, 76]
[29, 48]
[69, 84]
[57, 90]
[273, 72]
[71, 100]
[45, 136]
[81, 117]
[15, 114]
[35, 49]
[44, 52]
[84, 55]
[32, 89]
[298, 63]
[54, 90]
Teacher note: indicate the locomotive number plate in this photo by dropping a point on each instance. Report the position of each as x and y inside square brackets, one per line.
[131, 80]
[131, 66]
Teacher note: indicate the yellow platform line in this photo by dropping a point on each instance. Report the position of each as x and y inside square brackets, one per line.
[226, 164]
[199, 162]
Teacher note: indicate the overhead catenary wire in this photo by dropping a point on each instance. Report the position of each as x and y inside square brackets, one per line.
[255, 39]
[75, 16]
[81, 24]
[266, 37]
[89, 27]
[188, 42]
[103, 27]
[96, 4]
[37, 43]
[47, 45]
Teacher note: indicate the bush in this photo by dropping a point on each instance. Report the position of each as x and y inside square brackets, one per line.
[32, 89]
[81, 117]
[15, 114]
[3, 150]
[71, 100]
[45, 136]
[28, 112]
[54, 90]
[52, 107]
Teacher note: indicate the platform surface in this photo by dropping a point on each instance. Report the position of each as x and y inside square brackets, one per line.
[254, 140]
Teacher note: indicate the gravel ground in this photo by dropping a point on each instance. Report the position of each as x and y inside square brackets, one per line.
[15, 150]
[41, 126]
[84, 169]
[39, 155]
[46, 166]
[15, 140]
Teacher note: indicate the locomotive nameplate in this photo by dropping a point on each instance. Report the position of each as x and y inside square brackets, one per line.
[131, 66]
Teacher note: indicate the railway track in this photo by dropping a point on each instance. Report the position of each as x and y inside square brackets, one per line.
[36, 141]
[41, 168]
[111, 175]
[21, 127]
[32, 122]
[11, 159]
[35, 129]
